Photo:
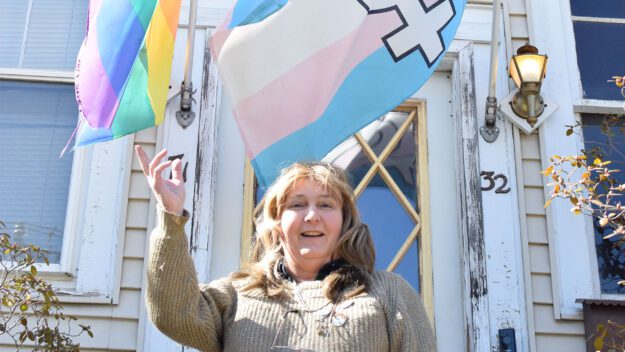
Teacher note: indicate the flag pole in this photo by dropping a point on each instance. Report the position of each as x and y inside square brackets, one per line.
[489, 131]
[185, 115]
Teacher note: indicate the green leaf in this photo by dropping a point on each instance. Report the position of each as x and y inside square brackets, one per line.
[23, 307]
[569, 132]
[33, 270]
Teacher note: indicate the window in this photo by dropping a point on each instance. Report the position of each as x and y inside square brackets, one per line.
[39, 41]
[597, 30]
[389, 176]
[35, 183]
[604, 137]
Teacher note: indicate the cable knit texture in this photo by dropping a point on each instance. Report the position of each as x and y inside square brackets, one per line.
[219, 316]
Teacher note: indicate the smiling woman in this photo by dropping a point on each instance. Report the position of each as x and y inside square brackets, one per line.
[311, 285]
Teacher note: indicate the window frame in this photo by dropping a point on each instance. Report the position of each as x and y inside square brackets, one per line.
[84, 248]
[596, 106]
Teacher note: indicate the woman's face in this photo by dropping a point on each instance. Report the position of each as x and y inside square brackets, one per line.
[311, 225]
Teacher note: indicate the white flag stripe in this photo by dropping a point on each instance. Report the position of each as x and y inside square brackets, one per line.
[246, 74]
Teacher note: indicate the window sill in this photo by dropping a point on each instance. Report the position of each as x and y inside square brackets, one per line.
[68, 296]
[599, 106]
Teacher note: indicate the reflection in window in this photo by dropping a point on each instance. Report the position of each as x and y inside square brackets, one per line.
[604, 136]
[599, 57]
[380, 208]
[606, 8]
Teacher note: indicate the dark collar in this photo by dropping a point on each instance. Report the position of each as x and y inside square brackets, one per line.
[325, 270]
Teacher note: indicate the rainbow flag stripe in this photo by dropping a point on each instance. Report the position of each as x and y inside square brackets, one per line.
[304, 75]
[123, 67]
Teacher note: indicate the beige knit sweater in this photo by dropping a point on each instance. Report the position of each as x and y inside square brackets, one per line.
[219, 316]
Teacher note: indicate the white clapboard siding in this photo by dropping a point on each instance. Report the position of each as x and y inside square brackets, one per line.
[565, 343]
[517, 7]
[550, 334]
[518, 26]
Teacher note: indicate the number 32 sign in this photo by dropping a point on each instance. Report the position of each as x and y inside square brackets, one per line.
[492, 179]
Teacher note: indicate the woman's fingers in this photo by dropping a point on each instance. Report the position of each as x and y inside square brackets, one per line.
[156, 172]
[143, 160]
[156, 161]
[177, 170]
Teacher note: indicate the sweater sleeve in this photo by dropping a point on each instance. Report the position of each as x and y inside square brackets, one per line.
[191, 314]
[408, 324]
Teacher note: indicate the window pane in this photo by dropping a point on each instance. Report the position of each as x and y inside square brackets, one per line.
[36, 120]
[608, 146]
[390, 226]
[12, 19]
[56, 31]
[600, 56]
[605, 8]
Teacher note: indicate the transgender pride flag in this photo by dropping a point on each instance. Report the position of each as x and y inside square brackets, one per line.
[303, 75]
[123, 67]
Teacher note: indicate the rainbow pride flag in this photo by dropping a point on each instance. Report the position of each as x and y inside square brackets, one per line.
[303, 75]
[123, 67]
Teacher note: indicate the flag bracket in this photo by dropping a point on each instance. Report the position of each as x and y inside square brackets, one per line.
[489, 130]
[185, 115]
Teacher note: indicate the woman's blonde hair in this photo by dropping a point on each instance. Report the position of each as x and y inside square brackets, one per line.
[354, 245]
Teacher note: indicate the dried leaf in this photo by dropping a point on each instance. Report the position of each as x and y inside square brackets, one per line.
[547, 203]
[603, 221]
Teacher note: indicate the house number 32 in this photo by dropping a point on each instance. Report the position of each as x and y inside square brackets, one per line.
[492, 179]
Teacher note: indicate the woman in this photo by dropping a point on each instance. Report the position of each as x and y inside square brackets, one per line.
[311, 285]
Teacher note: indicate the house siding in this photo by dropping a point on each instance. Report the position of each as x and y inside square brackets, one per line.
[550, 334]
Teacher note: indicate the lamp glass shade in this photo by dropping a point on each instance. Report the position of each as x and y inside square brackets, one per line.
[527, 68]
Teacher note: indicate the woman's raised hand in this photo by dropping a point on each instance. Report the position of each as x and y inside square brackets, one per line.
[169, 193]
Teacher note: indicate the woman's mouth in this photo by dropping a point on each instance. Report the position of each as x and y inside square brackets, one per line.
[312, 234]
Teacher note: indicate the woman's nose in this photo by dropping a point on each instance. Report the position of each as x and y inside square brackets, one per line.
[311, 215]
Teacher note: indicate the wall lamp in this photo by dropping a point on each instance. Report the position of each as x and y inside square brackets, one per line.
[525, 105]
[527, 70]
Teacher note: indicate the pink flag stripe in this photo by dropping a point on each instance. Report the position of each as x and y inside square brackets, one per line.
[320, 71]
[220, 34]
[217, 41]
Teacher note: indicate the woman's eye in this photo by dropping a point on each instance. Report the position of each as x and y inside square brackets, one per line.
[296, 205]
[327, 205]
